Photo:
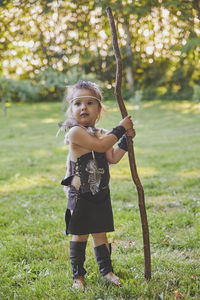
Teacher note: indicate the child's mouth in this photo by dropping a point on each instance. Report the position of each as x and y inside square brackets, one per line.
[84, 115]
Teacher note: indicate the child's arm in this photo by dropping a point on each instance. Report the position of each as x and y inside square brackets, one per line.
[114, 155]
[79, 136]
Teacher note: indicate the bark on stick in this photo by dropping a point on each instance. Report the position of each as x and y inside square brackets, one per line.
[134, 173]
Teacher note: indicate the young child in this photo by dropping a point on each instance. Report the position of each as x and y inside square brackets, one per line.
[89, 208]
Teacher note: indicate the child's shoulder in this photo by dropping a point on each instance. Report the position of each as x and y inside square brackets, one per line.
[74, 132]
[77, 132]
[76, 129]
[90, 130]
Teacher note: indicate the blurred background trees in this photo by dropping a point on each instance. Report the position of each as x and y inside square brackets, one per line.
[46, 45]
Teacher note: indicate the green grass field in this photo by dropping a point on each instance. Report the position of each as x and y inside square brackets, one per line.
[34, 251]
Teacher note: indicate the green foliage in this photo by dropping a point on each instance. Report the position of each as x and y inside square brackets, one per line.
[34, 251]
[48, 85]
[51, 85]
[149, 93]
[18, 90]
[191, 45]
[163, 37]
[196, 93]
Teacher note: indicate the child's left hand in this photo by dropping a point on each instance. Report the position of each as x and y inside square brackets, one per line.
[131, 132]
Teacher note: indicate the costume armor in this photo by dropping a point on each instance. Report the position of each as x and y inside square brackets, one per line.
[91, 204]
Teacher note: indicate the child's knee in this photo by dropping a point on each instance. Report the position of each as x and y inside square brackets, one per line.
[99, 238]
[80, 238]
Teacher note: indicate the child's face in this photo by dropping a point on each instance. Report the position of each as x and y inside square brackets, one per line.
[85, 110]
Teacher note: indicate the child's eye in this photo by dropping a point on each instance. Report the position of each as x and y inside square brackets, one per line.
[90, 102]
[77, 103]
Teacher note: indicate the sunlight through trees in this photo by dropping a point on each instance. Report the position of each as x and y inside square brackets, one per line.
[159, 40]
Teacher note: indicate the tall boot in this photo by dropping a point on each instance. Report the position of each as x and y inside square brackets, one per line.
[77, 257]
[103, 259]
[110, 249]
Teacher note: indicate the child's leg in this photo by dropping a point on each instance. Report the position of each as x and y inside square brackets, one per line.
[103, 252]
[77, 257]
[100, 239]
[80, 238]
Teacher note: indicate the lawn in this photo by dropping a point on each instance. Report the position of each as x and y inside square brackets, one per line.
[34, 249]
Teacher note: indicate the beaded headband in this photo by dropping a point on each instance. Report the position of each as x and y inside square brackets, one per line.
[86, 97]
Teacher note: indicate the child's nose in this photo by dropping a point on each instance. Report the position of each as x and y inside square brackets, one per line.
[83, 106]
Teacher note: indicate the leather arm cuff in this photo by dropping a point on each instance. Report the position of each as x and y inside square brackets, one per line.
[118, 131]
[123, 143]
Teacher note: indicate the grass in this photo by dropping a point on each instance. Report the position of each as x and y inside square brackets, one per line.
[34, 250]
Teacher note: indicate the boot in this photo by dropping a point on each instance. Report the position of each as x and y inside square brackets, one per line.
[77, 257]
[103, 259]
[110, 249]
[105, 264]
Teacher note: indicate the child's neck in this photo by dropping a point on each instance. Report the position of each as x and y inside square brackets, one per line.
[89, 126]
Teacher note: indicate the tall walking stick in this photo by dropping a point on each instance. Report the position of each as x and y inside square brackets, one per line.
[135, 177]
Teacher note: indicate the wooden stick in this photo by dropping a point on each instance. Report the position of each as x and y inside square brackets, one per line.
[135, 177]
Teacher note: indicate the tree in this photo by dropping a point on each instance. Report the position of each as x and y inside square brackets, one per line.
[157, 38]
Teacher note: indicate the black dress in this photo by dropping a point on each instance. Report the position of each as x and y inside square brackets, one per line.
[91, 204]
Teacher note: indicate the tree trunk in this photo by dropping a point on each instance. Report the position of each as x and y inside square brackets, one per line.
[129, 53]
[196, 6]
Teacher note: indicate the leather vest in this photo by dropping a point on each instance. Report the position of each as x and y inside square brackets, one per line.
[93, 170]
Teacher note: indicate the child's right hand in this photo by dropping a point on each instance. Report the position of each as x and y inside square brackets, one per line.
[126, 123]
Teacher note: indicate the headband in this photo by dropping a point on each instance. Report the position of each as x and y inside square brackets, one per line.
[86, 97]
